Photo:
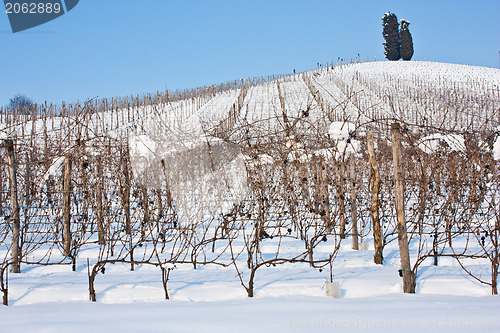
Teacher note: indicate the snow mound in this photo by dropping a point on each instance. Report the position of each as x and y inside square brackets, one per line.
[142, 146]
[340, 130]
[206, 176]
[496, 147]
[342, 134]
[434, 142]
[342, 149]
[55, 168]
[206, 179]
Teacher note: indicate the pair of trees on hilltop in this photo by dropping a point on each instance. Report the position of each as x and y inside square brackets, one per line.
[398, 41]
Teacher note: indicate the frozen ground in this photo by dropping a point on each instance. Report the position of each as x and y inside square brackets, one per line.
[289, 297]
[409, 313]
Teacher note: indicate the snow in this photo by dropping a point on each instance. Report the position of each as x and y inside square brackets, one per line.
[143, 152]
[342, 135]
[210, 192]
[206, 176]
[496, 148]
[341, 130]
[55, 168]
[142, 146]
[288, 314]
[342, 149]
[288, 297]
[373, 90]
[433, 142]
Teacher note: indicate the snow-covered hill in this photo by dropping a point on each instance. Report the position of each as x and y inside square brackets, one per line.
[225, 192]
[417, 92]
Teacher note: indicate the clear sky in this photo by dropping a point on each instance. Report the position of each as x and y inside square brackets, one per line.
[110, 48]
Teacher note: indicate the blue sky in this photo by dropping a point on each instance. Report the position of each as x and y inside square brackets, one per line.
[110, 48]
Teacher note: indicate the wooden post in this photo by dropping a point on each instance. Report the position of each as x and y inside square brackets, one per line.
[167, 184]
[67, 207]
[434, 247]
[159, 210]
[496, 259]
[378, 257]
[100, 213]
[408, 285]
[5, 285]
[125, 192]
[92, 296]
[341, 198]
[448, 231]
[354, 213]
[131, 253]
[27, 180]
[16, 225]
[125, 197]
[324, 196]
[145, 206]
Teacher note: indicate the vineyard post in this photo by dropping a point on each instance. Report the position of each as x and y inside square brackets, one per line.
[67, 206]
[378, 257]
[354, 217]
[324, 196]
[408, 285]
[4, 284]
[125, 192]
[145, 207]
[100, 213]
[340, 167]
[15, 207]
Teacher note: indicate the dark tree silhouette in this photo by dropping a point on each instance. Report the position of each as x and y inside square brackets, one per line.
[391, 36]
[22, 104]
[406, 50]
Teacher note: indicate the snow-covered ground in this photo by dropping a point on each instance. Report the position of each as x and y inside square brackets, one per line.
[288, 297]
[394, 313]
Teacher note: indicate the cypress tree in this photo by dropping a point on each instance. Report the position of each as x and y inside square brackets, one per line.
[391, 35]
[406, 41]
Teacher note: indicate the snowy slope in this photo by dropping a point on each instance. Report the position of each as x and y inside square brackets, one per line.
[288, 297]
[407, 90]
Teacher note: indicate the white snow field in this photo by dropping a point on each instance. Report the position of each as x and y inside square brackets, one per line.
[288, 297]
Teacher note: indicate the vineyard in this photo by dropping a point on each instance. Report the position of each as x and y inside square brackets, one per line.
[287, 174]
